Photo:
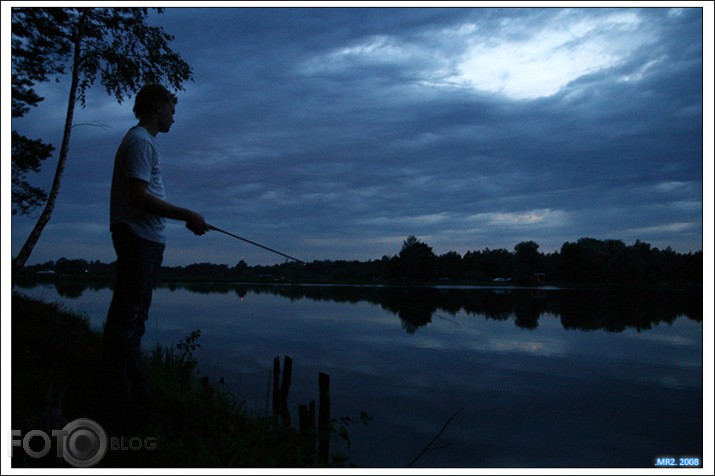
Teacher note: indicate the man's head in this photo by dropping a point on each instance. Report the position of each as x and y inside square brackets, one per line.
[155, 102]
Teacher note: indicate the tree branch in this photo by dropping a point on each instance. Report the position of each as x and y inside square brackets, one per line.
[100, 124]
[427, 448]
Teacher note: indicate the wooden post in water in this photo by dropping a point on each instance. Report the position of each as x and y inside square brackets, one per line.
[324, 418]
[280, 392]
[306, 413]
[276, 387]
[306, 418]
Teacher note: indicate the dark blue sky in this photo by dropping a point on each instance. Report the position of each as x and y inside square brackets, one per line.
[335, 133]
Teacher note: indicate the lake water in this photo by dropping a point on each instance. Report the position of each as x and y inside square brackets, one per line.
[543, 377]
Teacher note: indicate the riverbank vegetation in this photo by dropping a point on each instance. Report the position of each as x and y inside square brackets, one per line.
[196, 423]
[587, 261]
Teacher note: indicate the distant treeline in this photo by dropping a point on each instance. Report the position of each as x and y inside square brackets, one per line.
[586, 261]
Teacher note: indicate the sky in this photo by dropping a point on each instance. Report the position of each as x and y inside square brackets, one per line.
[336, 133]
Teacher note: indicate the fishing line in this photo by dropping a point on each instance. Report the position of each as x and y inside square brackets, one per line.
[255, 244]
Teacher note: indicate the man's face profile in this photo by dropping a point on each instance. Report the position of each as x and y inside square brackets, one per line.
[165, 116]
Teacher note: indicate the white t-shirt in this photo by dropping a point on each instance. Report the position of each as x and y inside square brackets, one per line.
[137, 157]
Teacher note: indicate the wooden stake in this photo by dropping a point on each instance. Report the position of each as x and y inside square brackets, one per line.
[280, 392]
[324, 418]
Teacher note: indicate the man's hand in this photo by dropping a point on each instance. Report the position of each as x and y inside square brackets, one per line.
[196, 223]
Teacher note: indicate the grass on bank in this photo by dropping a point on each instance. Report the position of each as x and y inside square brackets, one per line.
[55, 379]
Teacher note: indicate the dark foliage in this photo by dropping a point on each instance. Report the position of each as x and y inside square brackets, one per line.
[112, 46]
[588, 261]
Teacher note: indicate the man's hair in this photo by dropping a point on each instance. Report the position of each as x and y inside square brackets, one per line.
[150, 96]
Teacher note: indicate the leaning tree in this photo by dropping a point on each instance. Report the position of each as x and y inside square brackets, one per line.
[114, 46]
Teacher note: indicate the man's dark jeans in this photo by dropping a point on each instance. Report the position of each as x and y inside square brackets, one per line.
[138, 261]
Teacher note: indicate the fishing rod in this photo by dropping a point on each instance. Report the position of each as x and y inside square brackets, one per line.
[255, 244]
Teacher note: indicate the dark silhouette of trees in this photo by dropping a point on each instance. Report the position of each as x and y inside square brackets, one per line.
[527, 262]
[27, 157]
[587, 261]
[450, 266]
[611, 261]
[488, 265]
[416, 261]
[583, 261]
[30, 64]
[72, 266]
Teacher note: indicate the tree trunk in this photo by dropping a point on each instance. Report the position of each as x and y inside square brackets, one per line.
[44, 218]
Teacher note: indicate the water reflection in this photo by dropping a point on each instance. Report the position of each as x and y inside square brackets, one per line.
[536, 392]
[416, 307]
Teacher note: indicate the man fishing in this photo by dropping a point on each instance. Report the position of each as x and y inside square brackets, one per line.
[138, 211]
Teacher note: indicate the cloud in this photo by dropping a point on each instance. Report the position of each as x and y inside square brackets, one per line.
[336, 133]
[527, 63]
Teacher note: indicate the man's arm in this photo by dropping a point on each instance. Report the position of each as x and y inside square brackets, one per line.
[140, 197]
